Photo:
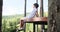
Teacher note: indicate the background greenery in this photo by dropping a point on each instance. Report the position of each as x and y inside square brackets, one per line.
[11, 23]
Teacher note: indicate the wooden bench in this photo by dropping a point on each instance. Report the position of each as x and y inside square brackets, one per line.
[37, 20]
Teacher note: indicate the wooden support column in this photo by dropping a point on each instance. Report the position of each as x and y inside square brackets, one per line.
[37, 12]
[41, 14]
[36, 1]
[41, 8]
[25, 9]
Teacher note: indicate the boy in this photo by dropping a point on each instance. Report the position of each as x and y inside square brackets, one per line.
[31, 15]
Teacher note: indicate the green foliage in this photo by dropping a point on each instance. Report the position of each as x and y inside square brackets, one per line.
[11, 23]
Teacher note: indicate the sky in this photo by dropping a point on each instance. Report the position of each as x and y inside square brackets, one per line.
[12, 7]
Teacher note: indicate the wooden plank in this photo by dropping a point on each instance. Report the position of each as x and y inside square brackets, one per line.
[37, 20]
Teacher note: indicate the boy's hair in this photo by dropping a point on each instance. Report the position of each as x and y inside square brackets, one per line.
[36, 5]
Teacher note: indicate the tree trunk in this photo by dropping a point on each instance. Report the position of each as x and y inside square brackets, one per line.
[53, 15]
[0, 15]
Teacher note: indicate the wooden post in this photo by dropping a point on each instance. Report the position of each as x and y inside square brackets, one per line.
[25, 9]
[36, 1]
[41, 14]
[41, 8]
[38, 14]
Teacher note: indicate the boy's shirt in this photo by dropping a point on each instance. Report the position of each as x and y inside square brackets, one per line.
[32, 14]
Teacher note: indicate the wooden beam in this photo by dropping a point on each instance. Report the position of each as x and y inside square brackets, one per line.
[36, 1]
[41, 8]
[25, 9]
[41, 14]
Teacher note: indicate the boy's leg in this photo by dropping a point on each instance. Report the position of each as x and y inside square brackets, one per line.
[21, 23]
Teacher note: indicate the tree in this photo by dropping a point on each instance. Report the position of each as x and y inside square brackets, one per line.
[0, 15]
[53, 15]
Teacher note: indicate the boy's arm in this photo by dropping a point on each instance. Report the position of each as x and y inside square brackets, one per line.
[37, 14]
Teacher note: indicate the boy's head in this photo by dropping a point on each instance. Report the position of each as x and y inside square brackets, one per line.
[35, 5]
